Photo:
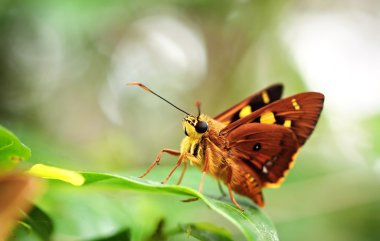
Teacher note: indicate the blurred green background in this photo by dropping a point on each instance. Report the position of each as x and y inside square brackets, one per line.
[64, 66]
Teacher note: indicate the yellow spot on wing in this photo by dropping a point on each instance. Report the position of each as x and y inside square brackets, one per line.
[265, 97]
[245, 111]
[275, 185]
[267, 118]
[226, 122]
[49, 172]
[288, 123]
[295, 104]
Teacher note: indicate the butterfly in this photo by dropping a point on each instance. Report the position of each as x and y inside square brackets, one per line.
[249, 146]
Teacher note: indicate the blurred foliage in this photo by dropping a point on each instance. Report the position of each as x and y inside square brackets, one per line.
[122, 235]
[206, 231]
[64, 66]
[36, 225]
[11, 150]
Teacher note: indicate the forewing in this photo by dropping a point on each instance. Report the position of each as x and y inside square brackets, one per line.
[299, 113]
[251, 104]
[268, 150]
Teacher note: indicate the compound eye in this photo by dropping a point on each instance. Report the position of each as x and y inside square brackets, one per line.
[201, 127]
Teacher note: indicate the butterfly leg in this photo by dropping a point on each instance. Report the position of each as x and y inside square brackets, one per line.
[221, 190]
[205, 169]
[181, 157]
[183, 172]
[193, 159]
[158, 158]
[204, 172]
[229, 180]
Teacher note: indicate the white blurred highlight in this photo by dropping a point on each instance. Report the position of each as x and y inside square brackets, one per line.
[41, 58]
[161, 48]
[338, 54]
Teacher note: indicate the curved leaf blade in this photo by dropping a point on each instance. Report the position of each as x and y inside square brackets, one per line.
[252, 222]
[206, 231]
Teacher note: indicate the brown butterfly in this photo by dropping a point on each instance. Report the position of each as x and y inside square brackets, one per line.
[249, 146]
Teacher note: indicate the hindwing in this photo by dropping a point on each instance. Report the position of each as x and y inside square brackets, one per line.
[268, 150]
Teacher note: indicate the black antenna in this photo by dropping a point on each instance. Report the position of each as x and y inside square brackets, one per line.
[149, 90]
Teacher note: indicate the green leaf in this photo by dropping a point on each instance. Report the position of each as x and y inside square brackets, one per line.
[50, 172]
[206, 231]
[252, 222]
[36, 225]
[40, 223]
[11, 150]
[124, 235]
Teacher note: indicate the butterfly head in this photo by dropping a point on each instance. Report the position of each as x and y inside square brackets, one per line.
[195, 126]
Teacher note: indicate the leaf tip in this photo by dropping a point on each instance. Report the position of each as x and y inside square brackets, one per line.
[49, 172]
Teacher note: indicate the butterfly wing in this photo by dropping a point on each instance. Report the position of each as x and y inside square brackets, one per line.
[299, 113]
[279, 129]
[251, 104]
[268, 150]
